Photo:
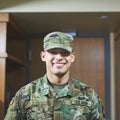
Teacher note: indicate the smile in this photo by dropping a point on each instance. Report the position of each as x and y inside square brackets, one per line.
[59, 64]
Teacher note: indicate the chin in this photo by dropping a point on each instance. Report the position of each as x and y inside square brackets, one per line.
[60, 74]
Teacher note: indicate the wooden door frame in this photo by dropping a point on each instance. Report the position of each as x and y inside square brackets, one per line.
[107, 68]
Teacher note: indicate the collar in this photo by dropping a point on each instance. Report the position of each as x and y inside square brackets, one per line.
[68, 90]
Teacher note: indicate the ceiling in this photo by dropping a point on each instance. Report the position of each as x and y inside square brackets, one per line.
[42, 23]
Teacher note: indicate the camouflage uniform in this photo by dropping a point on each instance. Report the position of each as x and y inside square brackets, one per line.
[39, 101]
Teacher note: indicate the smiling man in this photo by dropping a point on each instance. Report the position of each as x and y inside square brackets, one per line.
[56, 95]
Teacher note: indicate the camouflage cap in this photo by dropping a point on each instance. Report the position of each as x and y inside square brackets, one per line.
[58, 40]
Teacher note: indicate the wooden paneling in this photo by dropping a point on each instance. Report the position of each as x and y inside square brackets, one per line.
[2, 66]
[15, 65]
[11, 65]
[89, 64]
[12, 70]
[2, 86]
[4, 17]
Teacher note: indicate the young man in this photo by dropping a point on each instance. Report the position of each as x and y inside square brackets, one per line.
[56, 95]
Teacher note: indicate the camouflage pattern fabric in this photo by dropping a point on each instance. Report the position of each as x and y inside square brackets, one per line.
[58, 40]
[39, 101]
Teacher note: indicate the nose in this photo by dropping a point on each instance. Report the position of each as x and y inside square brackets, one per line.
[58, 56]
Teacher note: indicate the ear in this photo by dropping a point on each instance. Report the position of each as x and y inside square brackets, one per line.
[72, 57]
[42, 56]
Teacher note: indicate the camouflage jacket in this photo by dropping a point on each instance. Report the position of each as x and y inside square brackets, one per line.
[39, 101]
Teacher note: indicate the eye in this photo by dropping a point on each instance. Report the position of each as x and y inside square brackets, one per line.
[53, 52]
[65, 53]
[59, 51]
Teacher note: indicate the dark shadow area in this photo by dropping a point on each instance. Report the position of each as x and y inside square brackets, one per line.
[8, 97]
[1, 110]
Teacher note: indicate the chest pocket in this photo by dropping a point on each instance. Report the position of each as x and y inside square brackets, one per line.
[82, 109]
[37, 109]
[75, 109]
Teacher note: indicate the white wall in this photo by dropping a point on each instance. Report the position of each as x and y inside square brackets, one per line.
[59, 5]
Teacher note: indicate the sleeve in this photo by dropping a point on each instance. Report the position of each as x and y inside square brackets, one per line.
[14, 111]
[98, 112]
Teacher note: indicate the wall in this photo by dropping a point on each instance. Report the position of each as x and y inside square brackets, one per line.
[60, 6]
[112, 75]
[117, 74]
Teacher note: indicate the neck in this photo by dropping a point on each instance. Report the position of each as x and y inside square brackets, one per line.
[56, 79]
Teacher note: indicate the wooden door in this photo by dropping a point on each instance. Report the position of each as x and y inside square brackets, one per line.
[89, 66]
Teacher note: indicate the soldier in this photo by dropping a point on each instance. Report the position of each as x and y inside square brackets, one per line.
[56, 95]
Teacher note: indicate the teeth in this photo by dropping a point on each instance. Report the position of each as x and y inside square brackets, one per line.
[59, 64]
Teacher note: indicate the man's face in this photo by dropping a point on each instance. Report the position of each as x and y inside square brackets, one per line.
[58, 61]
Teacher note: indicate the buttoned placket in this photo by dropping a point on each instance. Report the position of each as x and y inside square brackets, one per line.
[56, 104]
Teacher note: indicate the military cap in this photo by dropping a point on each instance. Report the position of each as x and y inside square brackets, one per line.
[58, 40]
